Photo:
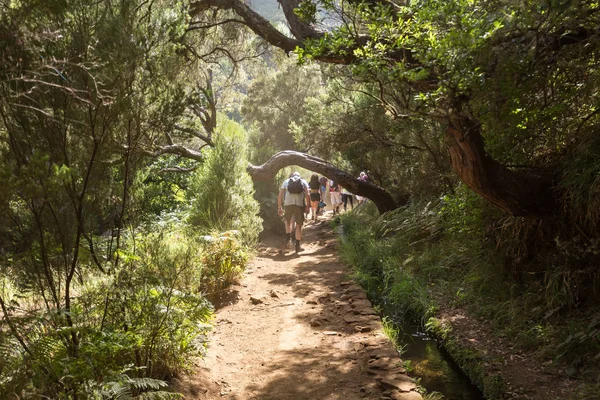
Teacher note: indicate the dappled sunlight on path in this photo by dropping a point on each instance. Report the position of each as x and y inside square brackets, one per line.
[296, 328]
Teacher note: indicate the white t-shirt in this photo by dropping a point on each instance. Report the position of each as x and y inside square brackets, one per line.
[297, 199]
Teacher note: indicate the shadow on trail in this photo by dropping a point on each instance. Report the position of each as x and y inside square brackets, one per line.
[290, 379]
[320, 268]
[310, 338]
[282, 257]
[317, 266]
[228, 298]
[328, 371]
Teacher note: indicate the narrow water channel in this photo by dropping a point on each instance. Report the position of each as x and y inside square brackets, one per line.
[435, 369]
[428, 362]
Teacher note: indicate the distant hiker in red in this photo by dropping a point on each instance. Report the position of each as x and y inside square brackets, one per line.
[293, 201]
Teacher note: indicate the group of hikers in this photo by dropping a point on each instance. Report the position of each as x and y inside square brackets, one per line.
[299, 198]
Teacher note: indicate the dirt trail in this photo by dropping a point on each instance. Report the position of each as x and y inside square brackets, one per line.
[297, 329]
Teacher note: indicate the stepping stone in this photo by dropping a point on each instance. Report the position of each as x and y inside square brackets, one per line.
[406, 396]
[352, 319]
[257, 299]
[361, 303]
[398, 381]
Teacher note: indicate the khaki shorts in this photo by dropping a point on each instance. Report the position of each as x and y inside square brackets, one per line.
[296, 211]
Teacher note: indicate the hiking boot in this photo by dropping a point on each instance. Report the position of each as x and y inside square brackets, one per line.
[298, 248]
[288, 243]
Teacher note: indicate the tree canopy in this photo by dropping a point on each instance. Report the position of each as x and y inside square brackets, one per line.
[471, 66]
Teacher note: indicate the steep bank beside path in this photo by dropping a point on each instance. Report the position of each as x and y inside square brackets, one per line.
[296, 328]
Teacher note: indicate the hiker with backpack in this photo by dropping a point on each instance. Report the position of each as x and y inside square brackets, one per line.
[293, 201]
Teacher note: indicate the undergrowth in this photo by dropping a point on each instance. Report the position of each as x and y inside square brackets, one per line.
[152, 322]
[456, 252]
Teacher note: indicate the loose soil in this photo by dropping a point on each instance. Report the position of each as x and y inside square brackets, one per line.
[297, 328]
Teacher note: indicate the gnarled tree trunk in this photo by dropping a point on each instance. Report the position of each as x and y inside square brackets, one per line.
[515, 193]
[382, 199]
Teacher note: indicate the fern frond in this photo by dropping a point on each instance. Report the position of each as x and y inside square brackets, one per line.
[147, 383]
[127, 387]
[117, 391]
[162, 395]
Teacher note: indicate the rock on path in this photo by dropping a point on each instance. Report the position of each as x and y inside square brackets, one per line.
[297, 329]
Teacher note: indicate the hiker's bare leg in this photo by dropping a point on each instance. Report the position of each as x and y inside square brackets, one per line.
[288, 224]
[298, 232]
[314, 206]
[289, 219]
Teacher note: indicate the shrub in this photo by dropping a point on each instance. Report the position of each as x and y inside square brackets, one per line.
[221, 191]
[141, 323]
[224, 260]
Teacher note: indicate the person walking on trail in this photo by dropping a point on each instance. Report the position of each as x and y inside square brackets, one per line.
[346, 195]
[335, 196]
[293, 201]
[363, 177]
[315, 195]
[323, 189]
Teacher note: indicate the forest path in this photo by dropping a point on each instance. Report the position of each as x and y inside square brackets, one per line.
[296, 328]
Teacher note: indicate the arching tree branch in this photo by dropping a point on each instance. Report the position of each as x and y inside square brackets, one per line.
[256, 22]
[264, 29]
[382, 199]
